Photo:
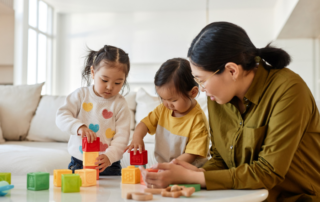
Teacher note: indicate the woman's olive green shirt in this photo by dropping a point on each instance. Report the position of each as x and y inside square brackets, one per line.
[275, 144]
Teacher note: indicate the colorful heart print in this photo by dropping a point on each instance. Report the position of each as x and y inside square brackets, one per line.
[94, 128]
[103, 147]
[106, 114]
[110, 133]
[80, 149]
[87, 106]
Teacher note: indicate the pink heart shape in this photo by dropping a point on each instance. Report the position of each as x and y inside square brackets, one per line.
[103, 147]
[106, 114]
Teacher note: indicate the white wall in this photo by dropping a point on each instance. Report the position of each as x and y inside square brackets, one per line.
[152, 38]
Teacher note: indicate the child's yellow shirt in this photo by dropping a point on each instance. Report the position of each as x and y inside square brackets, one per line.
[178, 135]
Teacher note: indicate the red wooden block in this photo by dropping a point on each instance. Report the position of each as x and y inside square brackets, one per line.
[92, 167]
[91, 147]
[139, 159]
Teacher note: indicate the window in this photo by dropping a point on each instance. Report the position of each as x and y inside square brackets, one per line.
[40, 39]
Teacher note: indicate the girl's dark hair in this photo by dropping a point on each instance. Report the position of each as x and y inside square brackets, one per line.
[222, 42]
[110, 55]
[177, 71]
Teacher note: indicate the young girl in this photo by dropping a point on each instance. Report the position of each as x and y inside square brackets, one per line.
[179, 123]
[99, 110]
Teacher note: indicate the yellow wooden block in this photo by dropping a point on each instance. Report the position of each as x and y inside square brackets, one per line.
[57, 176]
[130, 175]
[88, 177]
[89, 158]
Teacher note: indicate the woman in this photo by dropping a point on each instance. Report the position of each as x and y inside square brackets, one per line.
[265, 126]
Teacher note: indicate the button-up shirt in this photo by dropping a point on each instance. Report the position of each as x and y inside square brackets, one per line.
[274, 144]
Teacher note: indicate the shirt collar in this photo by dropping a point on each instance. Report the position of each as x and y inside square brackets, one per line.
[257, 86]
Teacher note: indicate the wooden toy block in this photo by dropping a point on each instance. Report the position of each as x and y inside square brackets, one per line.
[130, 175]
[149, 170]
[137, 196]
[154, 190]
[5, 177]
[89, 158]
[70, 183]
[38, 181]
[197, 187]
[57, 176]
[91, 147]
[88, 177]
[93, 167]
[176, 191]
[139, 159]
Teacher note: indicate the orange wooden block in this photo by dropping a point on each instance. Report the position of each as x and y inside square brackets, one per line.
[130, 175]
[88, 177]
[57, 176]
[93, 167]
[89, 158]
[149, 170]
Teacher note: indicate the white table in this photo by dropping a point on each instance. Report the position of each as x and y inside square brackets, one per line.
[111, 189]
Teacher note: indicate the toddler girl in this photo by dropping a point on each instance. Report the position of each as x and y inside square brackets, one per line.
[99, 110]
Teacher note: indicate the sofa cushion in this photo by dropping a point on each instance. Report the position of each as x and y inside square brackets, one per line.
[17, 107]
[131, 100]
[43, 125]
[1, 136]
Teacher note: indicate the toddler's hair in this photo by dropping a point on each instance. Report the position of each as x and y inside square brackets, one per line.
[178, 72]
[111, 55]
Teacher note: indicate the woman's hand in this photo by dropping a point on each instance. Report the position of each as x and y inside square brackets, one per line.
[171, 174]
[187, 165]
[135, 144]
[103, 162]
[84, 131]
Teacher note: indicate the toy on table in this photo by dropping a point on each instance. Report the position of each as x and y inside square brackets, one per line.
[88, 177]
[140, 196]
[130, 175]
[93, 167]
[90, 153]
[154, 190]
[149, 170]
[197, 187]
[70, 183]
[38, 181]
[5, 177]
[176, 191]
[57, 176]
[139, 158]
[5, 187]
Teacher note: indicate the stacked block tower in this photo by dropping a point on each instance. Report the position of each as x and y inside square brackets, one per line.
[90, 153]
[131, 174]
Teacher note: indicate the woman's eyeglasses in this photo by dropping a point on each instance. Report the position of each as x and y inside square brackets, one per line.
[202, 83]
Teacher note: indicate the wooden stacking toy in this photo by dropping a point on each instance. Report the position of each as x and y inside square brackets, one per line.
[90, 154]
[176, 191]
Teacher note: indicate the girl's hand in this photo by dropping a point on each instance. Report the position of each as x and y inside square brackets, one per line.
[187, 165]
[171, 174]
[135, 144]
[103, 162]
[84, 131]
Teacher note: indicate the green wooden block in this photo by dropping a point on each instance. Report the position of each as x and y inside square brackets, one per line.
[70, 183]
[5, 177]
[38, 181]
[197, 187]
[137, 166]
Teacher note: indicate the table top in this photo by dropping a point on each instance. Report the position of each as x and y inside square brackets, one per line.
[111, 189]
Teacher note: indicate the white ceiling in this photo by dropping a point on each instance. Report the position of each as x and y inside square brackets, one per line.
[73, 6]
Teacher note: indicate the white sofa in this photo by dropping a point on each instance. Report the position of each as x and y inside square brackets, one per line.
[32, 140]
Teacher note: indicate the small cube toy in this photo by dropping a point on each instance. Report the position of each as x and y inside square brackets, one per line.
[130, 175]
[88, 177]
[5, 177]
[91, 147]
[89, 158]
[93, 167]
[37, 181]
[57, 176]
[70, 183]
[149, 170]
[139, 159]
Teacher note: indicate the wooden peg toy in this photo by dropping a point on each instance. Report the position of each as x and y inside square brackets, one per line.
[154, 191]
[140, 196]
[176, 191]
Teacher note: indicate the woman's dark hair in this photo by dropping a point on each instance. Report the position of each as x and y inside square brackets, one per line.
[177, 71]
[112, 56]
[222, 42]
